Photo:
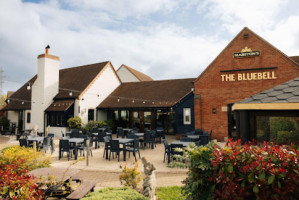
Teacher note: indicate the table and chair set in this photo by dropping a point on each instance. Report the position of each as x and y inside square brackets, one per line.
[42, 143]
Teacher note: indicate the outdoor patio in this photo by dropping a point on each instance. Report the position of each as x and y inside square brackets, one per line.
[106, 173]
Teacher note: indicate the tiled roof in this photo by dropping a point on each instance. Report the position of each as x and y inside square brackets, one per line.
[74, 79]
[140, 76]
[59, 105]
[284, 93]
[295, 59]
[164, 93]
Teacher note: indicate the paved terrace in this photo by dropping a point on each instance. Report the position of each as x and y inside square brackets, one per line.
[106, 173]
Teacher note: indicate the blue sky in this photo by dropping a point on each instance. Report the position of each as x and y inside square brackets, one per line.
[165, 39]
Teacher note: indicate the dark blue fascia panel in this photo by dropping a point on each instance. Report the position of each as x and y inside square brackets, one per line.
[187, 102]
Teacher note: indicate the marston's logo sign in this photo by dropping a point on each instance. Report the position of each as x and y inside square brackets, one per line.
[246, 52]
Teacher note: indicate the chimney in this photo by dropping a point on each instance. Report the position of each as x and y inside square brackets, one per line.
[46, 86]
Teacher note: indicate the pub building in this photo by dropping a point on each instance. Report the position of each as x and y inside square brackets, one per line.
[247, 66]
[165, 103]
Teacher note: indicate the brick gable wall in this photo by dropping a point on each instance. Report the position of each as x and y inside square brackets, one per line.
[211, 92]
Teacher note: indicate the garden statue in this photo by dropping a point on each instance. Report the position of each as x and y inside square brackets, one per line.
[149, 182]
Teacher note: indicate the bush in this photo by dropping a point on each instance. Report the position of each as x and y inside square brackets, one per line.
[30, 158]
[287, 137]
[90, 125]
[115, 194]
[264, 171]
[15, 183]
[5, 122]
[75, 122]
[101, 124]
[169, 193]
[130, 176]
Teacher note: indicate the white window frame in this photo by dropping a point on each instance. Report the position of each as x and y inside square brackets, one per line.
[187, 113]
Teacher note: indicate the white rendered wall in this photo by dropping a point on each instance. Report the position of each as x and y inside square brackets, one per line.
[126, 76]
[44, 89]
[27, 125]
[58, 130]
[13, 116]
[106, 83]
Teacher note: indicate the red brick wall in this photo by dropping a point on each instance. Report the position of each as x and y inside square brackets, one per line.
[215, 93]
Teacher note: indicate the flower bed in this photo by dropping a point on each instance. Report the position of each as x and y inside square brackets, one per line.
[264, 171]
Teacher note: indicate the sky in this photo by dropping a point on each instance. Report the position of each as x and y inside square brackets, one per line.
[165, 39]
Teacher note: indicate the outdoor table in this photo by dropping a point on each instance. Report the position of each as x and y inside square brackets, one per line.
[139, 134]
[35, 139]
[185, 144]
[126, 131]
[122, 141]
[194, 137]
[101, 129]
[74, 141]
[107, 134]
[61, 174]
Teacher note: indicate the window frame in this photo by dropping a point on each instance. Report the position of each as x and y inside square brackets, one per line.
[185, 115]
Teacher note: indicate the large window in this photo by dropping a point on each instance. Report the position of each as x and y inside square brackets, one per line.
[56, 119]
[90, 114]
[187, 115]
[279, 129]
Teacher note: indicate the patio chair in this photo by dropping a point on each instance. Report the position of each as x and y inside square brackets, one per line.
[100, 138]
[95, 130]
[46, 143]
[198, 132]
[120, 132]
[84, 146]
[205, 139]
[167, 148]
[134, 149]
[147, 139]
[74, 133]
[114, 148]
[107, 145]
[51, 135]
[173, 151]
[64, 146]
[23, 142]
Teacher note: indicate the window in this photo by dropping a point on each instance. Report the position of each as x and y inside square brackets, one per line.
[56, 119]
[90, 114]
[187, 115]
[28, 117]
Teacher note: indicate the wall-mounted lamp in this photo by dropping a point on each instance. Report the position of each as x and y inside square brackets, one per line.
[82, 99]
[28, 86]
[133, 101]
[98, 95]
[214, 110]
[71, 93]
[22, 102]
[8, 100]
[245, 35]
[118, 100]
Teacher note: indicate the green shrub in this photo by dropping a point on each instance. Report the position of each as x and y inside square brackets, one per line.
[170, 193]
[101, 124]
[31, 159]
[5, 122]
[111, 124]
[130, 176]
[75, 122]
[115, 194]
[281, 124]
[90, 125]
[287, 137]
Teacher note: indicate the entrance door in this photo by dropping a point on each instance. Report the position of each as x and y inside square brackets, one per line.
[232, 132]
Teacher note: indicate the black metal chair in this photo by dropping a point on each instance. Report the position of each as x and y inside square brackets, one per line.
[64, 146]
[95, 130]
[167, 148]
[107, 145]
[134, 149]
[173, 150]
[23, 142]
[84, 146]
[120, 132]
[114, 148]
[205, 138]
[46, 143]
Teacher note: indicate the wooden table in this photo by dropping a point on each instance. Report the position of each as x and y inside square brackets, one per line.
[60, 173]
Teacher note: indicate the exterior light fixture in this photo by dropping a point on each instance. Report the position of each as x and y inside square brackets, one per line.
[214, 110]
[28, 86]
[118, 100]
[71, 93]
[82, 99]
[22, 102]
[98, 95]
[143, 101]
[133, 101]
[8, 100]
